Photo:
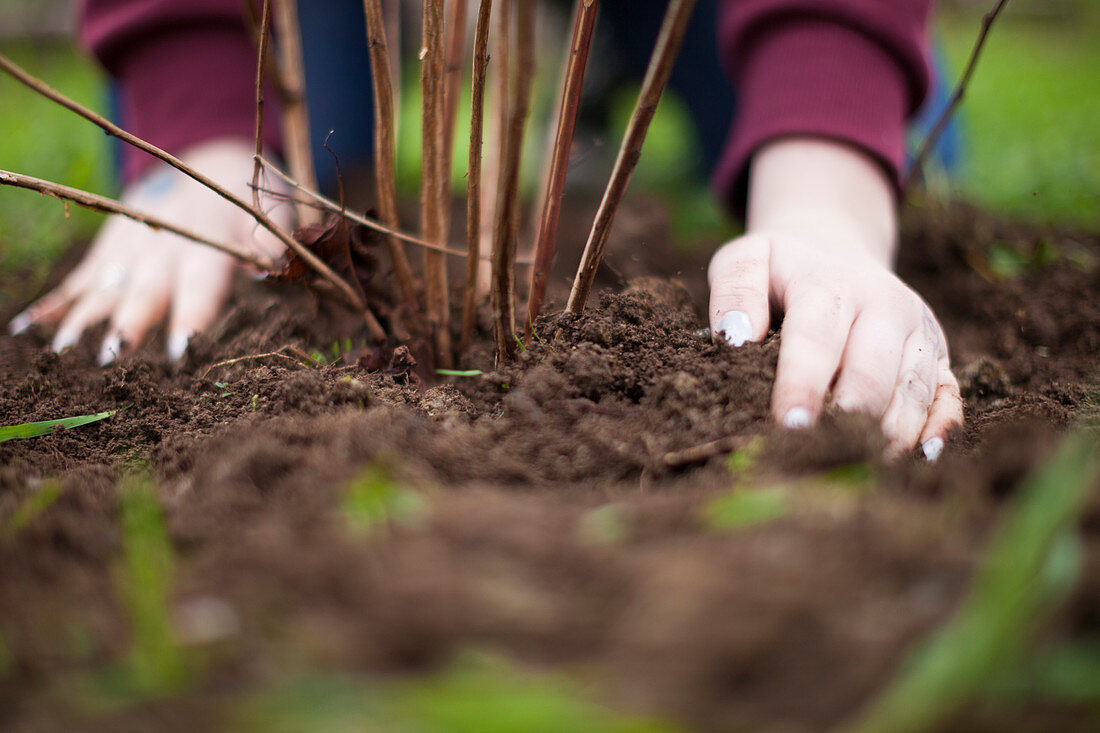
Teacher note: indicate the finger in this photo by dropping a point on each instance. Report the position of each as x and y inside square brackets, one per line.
[94, 307]
[739, 289]
[200, 290]
[869, 367]
[913, 394]
[946, 413]
[815, 330]
[142, 305]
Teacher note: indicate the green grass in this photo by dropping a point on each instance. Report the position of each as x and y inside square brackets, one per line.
[41, 139]
[1030, 116]
[1032, 564]
[478, 694]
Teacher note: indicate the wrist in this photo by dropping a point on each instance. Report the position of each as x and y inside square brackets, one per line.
[826, 191]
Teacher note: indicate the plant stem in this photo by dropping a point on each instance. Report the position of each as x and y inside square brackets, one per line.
[261, 65]
[106, 205]
[668, 46]
[506, 227]
[433, 202]
[341, 285]
[545, 246]
[452, 78]
[473, 179]
[296, 136]
[385, 176]
[917, 168]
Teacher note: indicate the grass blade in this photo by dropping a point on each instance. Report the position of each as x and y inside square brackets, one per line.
[1030, 563]
[46, 427]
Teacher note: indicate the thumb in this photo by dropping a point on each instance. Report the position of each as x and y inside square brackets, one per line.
[739, 286]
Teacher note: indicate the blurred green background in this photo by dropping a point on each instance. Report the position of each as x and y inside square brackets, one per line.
[1029, 125]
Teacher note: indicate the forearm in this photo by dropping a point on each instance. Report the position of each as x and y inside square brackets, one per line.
[823, 189]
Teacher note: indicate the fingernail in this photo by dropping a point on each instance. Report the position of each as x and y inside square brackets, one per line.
[110, 349]
[63, 340]
[736, 327]
[797, 418]
[932, 449]
[177, 345]
[20, 323]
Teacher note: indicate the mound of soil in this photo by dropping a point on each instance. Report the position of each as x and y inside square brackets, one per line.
[557, 506]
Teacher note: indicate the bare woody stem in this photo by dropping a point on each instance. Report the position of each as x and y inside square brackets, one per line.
[261, 66]
[433, 202]
[452, 76]
[473, 180]
[669, 41]
[506, 227]
[545, 246]
[917, 168]
[106, 205]
[341, 285]
[296, 136]
[385, 162]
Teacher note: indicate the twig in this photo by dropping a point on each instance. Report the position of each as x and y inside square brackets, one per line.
[433, 203]
[296, 136]
[271, 68]
[507, 222]
[660, 68]
[473, 179]
[704, 451]
[261, 65]
[567, 119]
[385, 157]
[933, 136]
[329, 205]
[452, 78]
[230, 362]
[261, 218]
[106, 205]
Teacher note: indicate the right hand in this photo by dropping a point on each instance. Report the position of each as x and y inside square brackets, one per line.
[133, 276]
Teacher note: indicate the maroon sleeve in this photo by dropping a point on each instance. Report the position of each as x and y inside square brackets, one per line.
[848, 70]
[185, 72]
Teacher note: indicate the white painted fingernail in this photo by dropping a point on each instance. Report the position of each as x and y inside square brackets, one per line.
[110, 349]
[63, 340]
[736, 327]
[177, 345]
[797, 418]
[932, 449]
[20, 323]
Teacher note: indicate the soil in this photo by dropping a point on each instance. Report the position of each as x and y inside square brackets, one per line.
[794, 622]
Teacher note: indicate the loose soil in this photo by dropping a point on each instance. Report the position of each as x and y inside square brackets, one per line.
[562, 522]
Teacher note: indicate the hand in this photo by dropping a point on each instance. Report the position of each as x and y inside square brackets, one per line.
[850, 325]
[134, 276]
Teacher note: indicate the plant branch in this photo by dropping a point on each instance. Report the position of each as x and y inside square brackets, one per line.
[668, 46]
[567, 119]
[299, 151]
[433, 200]
[916, 169]
[261, 218]
[473, 179]
[385, 157]
[261, 65]
[106, 205]
[507, 223]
